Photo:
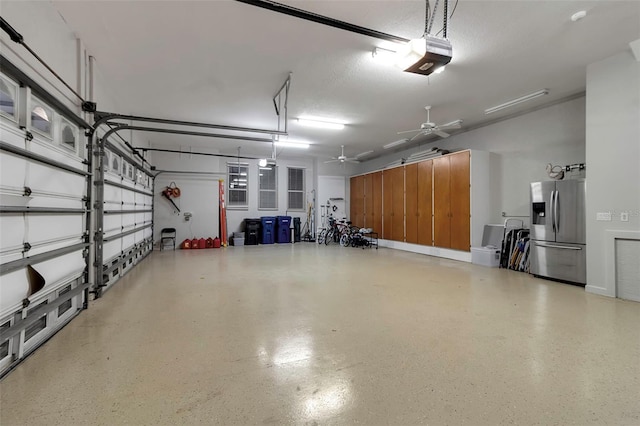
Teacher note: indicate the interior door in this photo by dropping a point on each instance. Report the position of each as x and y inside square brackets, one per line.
[570, 212]
[460, 201]
[425, 212]
[411, 197]
[376, 214]
[441, 205]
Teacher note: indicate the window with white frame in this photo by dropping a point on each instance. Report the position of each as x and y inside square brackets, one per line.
[68, 135]
[296, 191]
[268, 195]
[237, 184]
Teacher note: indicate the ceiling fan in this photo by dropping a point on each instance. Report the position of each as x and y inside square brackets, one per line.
[429, 127]
[344, 159]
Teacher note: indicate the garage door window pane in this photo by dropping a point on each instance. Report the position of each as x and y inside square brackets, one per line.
[4, 347]
[64, 307]
[8, 97]
[41, 117]
[37, 326]
[69, 136]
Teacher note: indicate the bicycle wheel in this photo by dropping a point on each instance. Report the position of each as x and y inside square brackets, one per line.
[344, 240]
[321, 236]
[328, 237]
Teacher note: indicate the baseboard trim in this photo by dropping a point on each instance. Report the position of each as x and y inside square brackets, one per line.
[462, 256]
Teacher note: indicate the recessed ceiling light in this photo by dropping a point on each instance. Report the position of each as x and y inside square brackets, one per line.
[578, 15]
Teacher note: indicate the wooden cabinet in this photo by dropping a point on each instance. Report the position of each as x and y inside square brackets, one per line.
[357, 201]
[451, 201]
[411, 203]
[393, 204]
[374, 218]
[426, 203]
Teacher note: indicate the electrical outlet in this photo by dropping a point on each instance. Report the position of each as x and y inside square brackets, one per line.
[603, 216]
[624, 216]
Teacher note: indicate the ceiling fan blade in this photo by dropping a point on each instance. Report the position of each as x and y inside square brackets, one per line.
[332, 161]
[441, 133]
[410, 131]
[453, 125]
[424, 132]
[352, 160]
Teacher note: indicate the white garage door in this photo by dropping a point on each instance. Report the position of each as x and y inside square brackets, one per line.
[43, 220]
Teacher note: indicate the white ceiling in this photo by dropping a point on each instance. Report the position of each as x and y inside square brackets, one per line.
[222, 62]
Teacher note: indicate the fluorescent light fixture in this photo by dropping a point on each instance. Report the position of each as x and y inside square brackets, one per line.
[517, 101]
[362, 154]
[396, 143]
[322, 123]
[292, 144]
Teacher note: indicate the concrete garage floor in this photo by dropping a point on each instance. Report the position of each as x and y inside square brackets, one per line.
[309, 334]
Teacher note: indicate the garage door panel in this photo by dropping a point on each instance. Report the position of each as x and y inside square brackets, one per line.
[148, 232]
[140, 218]
[112, 222]
[12, 229]
[12, 171]
[54, 245]
[112, 249]
[14, 287]
[128, 241]
[128, 197]
[43, 228]
[46, 149]
[48, 180]
[12, 134]
[56, 202]
[128, 220]
[112, 194]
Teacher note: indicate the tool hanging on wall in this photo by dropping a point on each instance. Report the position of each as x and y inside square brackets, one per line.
[172, 191]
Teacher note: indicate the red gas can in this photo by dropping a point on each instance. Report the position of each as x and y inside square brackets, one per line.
[202, 243]
[194, 244]
[216, 242]
[186, 244]
[209, 243]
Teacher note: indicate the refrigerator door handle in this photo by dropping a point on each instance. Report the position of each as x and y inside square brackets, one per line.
[552, 211]
[558, 247]
[556, 215]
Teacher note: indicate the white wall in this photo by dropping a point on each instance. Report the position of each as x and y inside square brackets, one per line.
[522, 147]
[200, 194]
[613, 156]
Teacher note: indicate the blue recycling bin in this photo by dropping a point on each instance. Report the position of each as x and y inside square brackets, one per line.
[268, 230]
[283, 229]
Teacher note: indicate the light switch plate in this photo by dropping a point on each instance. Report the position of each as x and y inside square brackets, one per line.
[624, 216]
[603, 216]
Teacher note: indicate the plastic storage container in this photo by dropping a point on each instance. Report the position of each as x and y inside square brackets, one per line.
[486, 256]
[268, 223]
[252, 231]
[283, 229]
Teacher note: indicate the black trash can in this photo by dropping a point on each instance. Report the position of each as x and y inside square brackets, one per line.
[251, 232]
[296, 230]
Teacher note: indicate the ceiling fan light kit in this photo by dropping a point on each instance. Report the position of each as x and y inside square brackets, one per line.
[517, 101]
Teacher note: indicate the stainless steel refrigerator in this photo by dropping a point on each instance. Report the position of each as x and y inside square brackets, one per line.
[558, 230]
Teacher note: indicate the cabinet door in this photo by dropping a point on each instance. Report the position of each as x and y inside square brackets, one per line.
[441, 212]
[387, 203]
[357, 200]
[460, 201]
[376, 215]
[425, 212]
[411, 203]
[397, 232]
[368, 201]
